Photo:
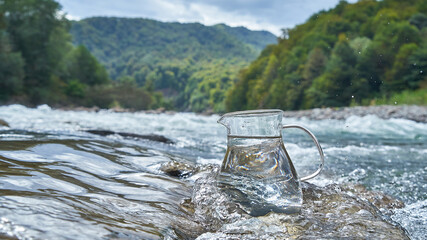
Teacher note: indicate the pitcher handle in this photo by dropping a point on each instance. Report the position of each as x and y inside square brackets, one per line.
[319, 148]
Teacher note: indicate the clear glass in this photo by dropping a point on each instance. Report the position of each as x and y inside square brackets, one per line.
[257, 172]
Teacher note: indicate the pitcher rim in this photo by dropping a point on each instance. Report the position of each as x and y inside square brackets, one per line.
[252, 112]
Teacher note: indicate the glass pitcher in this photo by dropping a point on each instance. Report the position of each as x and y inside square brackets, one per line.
[257, 172]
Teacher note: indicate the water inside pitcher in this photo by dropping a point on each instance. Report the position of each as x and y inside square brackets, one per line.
[257, 172]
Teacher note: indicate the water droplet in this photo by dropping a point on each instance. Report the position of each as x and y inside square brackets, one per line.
[352, 96]
[395, 103]
[421, 71]
[359, 52]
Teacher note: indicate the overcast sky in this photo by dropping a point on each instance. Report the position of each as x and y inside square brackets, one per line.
[270, 15]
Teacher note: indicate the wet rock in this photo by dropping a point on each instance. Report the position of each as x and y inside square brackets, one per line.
[207, 112]
[156, 111]
[119, 109]
[331, 212]
[378, 199]
[170, 113]
[80, 109]
[151, 137]
[4, 123]
[178, 169]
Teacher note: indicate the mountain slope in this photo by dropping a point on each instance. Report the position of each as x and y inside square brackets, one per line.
[257, 39]
[350, 54]
[192, 64]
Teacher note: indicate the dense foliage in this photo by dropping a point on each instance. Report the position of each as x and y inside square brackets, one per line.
[191, 64]
[39, 64]
[351, 54]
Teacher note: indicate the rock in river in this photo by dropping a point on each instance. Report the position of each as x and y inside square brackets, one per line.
[331, 212]
[3, 123]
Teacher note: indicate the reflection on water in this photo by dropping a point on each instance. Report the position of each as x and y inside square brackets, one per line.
[59, 182]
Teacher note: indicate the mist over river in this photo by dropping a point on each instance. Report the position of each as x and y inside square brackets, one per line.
[57, 181]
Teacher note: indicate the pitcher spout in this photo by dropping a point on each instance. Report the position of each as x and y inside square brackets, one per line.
[223, 120]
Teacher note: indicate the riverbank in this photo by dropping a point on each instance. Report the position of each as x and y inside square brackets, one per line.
[413, 112]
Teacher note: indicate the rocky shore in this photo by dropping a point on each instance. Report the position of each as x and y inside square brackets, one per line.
[414, 113]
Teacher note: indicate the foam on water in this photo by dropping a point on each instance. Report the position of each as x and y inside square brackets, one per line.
[367, 125]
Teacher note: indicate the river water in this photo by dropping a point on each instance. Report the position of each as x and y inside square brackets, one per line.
[59, 182]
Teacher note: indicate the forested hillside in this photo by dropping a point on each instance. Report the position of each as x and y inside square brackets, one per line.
[40, 65]
[191, 64]
[352, 54]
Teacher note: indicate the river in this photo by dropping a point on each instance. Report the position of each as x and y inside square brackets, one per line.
[58, 181]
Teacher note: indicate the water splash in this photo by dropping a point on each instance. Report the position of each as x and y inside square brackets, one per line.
[413, 218]
[212, 207]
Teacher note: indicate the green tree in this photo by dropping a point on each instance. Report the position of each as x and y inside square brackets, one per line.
[287, 93]
[75, 89]
[419, 20]
[11, 69]
[416, 76]
[257, 97]
[236, 95]
[31, 25]
[84, 67]
[315, 64]
[396, 79]
[335, 86]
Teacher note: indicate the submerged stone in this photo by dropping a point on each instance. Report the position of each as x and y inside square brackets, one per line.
[178, 169]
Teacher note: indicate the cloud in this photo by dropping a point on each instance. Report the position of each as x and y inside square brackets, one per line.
[69, 16]
[270, 15]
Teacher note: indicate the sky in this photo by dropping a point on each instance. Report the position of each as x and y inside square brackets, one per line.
[270, 15]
